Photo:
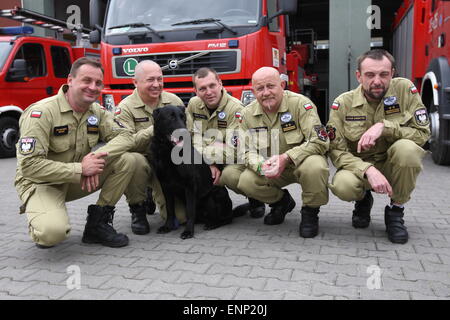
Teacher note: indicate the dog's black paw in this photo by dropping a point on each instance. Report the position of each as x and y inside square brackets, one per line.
[187, 235]
[164, 229]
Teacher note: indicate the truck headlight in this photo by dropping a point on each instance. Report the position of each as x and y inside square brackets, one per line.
[247, 97]
[108, 102]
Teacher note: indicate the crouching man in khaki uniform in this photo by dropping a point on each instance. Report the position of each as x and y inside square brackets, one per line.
[55, 163]
[216, 117]
[135, 112]
[287, 145]
[376, 132]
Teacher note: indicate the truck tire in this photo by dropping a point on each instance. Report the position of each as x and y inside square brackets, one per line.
[440, 134]
[9, 134]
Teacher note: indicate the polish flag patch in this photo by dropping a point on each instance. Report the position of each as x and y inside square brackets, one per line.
[118, 111]
[308, 106]
[414, 90]
[335, 106]
[36, 114]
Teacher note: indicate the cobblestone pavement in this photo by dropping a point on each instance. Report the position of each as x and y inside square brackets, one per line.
[244, 260]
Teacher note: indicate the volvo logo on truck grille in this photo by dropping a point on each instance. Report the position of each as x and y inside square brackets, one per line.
[173, 64]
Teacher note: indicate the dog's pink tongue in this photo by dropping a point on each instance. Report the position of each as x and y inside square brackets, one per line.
[176, 141]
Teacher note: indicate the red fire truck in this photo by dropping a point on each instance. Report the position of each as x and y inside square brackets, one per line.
[422, 31]
[234, 37]
[31, 68]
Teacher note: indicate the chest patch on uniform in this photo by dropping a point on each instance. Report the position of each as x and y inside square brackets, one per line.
[60, 131]
[257, 129]
[355, 118]
[321, 132]
[222, 115]
[422, 117]
[92, 129]
[26, 145]
[390, 101]
[36, 114]
[145, 119]
[93, 121]
[286, 117]
[391, 109]
[221, 124]
[199, 116]
[331, 131]
[288, 126]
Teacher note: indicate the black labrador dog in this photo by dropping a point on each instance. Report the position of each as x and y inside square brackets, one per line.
[183, 174]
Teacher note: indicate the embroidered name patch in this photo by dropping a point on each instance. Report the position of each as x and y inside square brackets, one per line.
[60, 131]
[145, 119]
[355, 118]
[199, 116]
[258, 129]
[288, 126]
[92, 129]
[221, 124]
[26, 145]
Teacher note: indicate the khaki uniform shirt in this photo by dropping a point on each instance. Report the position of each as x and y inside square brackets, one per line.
[401, 110]
[224, 120]
[296, 129]
[135, 115]
[54, 139]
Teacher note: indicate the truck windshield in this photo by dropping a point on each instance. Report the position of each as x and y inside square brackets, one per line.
[5, 48]
[173, 14]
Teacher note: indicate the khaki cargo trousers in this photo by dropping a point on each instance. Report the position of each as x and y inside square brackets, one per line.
[48, 221]
[401, 168]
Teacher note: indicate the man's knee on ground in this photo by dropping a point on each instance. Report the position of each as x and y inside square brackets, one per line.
[347, 187]
[48, 233]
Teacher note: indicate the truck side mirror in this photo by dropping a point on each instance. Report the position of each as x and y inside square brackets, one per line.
[94, 36]
[286, 7]
[18, 70]
[289, 6]
[97, 9]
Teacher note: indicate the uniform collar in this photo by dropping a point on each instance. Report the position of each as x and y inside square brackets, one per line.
[359, 99]
[283, 107]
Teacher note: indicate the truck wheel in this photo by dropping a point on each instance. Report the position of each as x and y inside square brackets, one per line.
[439, 131]
[9, 134]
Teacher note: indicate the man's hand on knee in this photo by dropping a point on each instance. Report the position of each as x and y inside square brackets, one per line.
[369, 138]
[93, 163]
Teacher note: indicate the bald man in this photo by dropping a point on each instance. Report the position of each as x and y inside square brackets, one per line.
[285, 143]
[135, 112]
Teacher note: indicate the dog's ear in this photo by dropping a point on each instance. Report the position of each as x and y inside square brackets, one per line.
[182, 108]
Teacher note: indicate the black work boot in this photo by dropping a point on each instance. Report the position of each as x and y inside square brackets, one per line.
[361, 214]
[150, 205]
[309, 227]
[280, 209]
[256, 208]
[139, 223]
[99, 228]
[395, 228]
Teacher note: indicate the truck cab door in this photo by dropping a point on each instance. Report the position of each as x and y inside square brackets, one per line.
[33, 87]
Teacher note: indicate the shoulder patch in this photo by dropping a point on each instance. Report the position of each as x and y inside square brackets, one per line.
[238, 116]
[421, 116]
[413, 89]
[36, 114]
[331, 131]
[321, 132]
[118, 111]
[308, 106]
[27, 145]
[335, 105]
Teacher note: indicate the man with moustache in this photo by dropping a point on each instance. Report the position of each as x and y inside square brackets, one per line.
[376, 132]
[289, 121]
[55, 163]
[213, 109]
[135, 112]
